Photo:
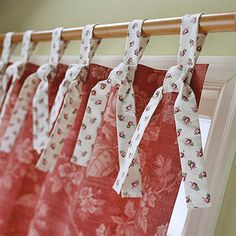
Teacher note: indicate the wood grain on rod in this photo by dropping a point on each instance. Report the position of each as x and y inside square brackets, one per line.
[223, 22]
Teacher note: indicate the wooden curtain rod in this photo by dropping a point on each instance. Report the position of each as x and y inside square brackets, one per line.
[209, 23]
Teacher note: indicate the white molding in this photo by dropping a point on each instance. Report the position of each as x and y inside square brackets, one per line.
[219, 154]
[218, 102]
[157, 61]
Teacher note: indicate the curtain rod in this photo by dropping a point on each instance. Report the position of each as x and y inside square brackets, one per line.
[209, 23]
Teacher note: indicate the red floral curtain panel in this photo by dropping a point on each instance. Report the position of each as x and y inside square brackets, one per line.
[63, 197]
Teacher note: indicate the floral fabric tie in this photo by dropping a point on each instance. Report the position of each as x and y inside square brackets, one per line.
[15, 71]
[69, 94]
[29, 88]
[177, 80]
[8, 48]
[46, 72]
[122, 77]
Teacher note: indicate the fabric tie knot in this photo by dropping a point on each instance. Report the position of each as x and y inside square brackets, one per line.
[175, 77]
[122, 74]
[121, 77]
[177, 80]
[40, 106]
[15, 70]
[68, 100]
[75, 70]
[13, 73]
[46, 72]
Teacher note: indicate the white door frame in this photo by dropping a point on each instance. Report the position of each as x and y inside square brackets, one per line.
[219, 152]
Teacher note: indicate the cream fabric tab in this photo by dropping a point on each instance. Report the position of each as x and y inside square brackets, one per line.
[88, 49]
[121, 76]
[40, 101]
[8, 48]
[29, 89]
[177, 80]
[19, 112]
[15, 71]
[68, 100]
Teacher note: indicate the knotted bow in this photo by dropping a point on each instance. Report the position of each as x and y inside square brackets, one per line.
[15, 71]
[122, 77]
[46, 72]
[35, 83]
[69, 94]
[177, 80]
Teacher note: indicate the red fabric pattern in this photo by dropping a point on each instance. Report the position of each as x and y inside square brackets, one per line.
[21, 183]
[29, 69]
[73, 204]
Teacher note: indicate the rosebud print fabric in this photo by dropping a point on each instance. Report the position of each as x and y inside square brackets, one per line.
[35, 85]
[8, 48]
[121, 77]
[29, 69]
[177, 80]
[15, 71]
[20, 183]
[78, 200]
[13, 87]
[54, 209]
[71, 88]
[46, 72]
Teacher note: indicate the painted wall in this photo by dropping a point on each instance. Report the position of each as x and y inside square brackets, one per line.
[47, 14]
[226, 222]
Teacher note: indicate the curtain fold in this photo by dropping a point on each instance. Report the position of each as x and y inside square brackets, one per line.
[21, 183]
[71, 203]
[71, 194]
[29, 69]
